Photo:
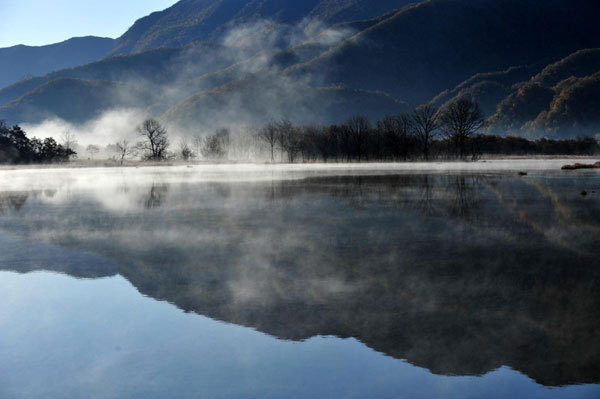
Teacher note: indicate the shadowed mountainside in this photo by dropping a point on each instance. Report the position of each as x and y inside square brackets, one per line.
[208, 20]
[435, 45]
[563, 99]
[556, 100]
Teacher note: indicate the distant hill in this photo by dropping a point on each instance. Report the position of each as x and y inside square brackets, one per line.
[155, 67]
[20, 62]
[83, 99]
[208, 20]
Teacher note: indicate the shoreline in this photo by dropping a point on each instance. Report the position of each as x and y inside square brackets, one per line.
[400, 165]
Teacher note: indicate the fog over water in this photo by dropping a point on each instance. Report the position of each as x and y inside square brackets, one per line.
[427, 281]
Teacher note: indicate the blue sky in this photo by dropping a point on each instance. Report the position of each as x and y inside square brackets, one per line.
[39, 22]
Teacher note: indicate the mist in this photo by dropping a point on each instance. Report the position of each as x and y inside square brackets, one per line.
[186, 92]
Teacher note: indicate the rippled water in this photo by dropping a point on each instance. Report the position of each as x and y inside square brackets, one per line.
[274, 282]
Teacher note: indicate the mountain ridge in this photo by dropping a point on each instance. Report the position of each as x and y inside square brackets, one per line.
[21, 61]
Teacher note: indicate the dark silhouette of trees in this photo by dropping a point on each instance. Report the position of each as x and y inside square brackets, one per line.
[156, 141]
[408, 136]
[293, 142]
[17, 148]
[216, 146]
[327, 143]
[358, 127]
[424, 123]
[460, 120]
[268, 134]
[395, 137]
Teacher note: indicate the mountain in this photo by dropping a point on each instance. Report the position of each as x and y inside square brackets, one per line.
[434, 45]
[155, 67]
[92, 98]
[561, 100]
[290, 58]
[488, 89]
[428, 47]
[21, 62]
[210, 20]
[263, 97]
[170, 75]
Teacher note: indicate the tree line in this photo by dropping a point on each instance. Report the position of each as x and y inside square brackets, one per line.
[454, 131]
[451, 132]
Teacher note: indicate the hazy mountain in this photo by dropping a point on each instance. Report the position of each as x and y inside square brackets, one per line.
[20, 62]
[173, 74]
[83, 99]
[261, 98]
[193, 68]
[155, 67]
[208, 20]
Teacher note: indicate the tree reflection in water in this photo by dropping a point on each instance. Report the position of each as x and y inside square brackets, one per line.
[460, 274]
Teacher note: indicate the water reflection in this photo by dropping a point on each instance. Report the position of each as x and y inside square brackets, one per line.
[460, 274]
[156, 196]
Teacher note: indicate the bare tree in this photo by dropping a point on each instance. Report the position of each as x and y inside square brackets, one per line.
[292, 142]
[197, 143]
[460, 120]
[395, 131]
[309, 140]
[284, 129]
[185, 151]
[424, 122]
[92, 150]
[156, 140]
[123, 149]
[268, 134]
[358, 127]
[69, 141]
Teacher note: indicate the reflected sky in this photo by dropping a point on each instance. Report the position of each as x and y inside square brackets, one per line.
[114, 343]
[375, 283]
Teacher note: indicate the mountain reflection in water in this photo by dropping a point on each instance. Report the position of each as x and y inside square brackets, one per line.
[459, 274]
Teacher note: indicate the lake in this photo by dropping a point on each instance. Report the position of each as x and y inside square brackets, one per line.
[256, 281]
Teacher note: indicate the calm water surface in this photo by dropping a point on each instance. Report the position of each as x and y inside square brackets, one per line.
[266, 283]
